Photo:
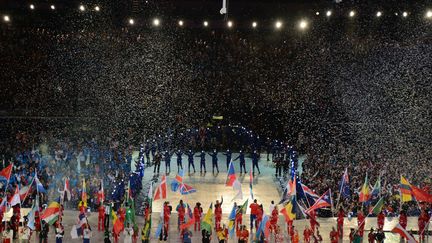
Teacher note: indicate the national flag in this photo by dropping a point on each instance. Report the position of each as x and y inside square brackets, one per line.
[5, 174]
[51, 214]
[25, 191]
[345, 187]
[376, 190]
[84, 193]
[405, 190]
[231, 221]
[231, 175]
[186, 189]
[31, 216]
[263, 227]
[190, 222]
[324, 201]
[161, 190]
[207, 222]
[118, 225]
[3, 205]
[398, 229]
[39, 186]
[243, 207]
[101, 194]
[78, 229]
[364, 193]
[176, 183]
[66, 191]
[15, 199]
[289, 191]
[289, 211]
[237, 187]
[311, 196]
[378, 207]
[251, 182]
[421, 195]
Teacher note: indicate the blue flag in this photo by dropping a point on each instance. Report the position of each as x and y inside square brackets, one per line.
[344, 186]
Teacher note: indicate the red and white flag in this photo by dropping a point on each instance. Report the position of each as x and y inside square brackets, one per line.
[66, 191]
[15, 199]
[161, 190]
[24, 192]
[400, 230]
[100, 193]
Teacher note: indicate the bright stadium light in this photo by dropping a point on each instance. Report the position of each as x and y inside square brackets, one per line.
[32, 6]
[317, 13]
[379, 14]
[97, 8]
[52, 7]
[405, 14]
[180, 23]
[352, 13]
[278, 25]
[156, 22]
[328, 13]
[303, 24]
[205, 23]
[230, 24]
[429, 14]
[254, 24]
[82, 8]
[131, 21]
[6, 18]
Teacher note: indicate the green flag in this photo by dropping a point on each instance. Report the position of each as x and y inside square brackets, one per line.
[207, 222]
[378, 207]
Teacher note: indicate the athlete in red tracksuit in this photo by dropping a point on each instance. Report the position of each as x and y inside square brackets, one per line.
[218, 214]
[361, 223]
[274, 219]
[307, 235]
[259, 216]
[340, 220]
[181, 213]
[381, 219]
[197, 215]
[423, 219]
[238, 219]
[403, 219]
[101, 217]
[313, 220]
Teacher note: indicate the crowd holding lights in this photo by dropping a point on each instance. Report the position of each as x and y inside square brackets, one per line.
[278, 25]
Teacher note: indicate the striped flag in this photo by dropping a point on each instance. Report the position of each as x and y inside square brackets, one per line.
[6, 172]
[84, 193]
[364, 193]
[378, 207]
[51, 214]
[39, 186]
[289, 211]
[231, 175]
[25, 191]
[405, 190]
[15, 199]
[401, 231]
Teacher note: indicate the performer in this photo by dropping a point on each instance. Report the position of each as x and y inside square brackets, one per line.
[403, 219]
[255, 160]
[423, 220]
[253, 214]
[222, 234]
[259, 216]
[179, 160]
[190, 156]
[313, 221]
[371, 236]
[361, 223]
[228, 155]
[202, 162]
[157, 158]
[218, 213]
[238, 218]
[214, 160]
[197, 216]
[243, 234]
[334, 236]
[307, 235]
[242, 161]
[274, 219]
[167, 158]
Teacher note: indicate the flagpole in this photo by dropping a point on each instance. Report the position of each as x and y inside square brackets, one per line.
[341, 188]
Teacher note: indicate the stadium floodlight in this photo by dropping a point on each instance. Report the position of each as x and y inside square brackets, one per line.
[352, 13]
[254, 24]
[278, 24]
[405, 14]
[205, 23]
[6, 18]
[328, 13]
[97, 8]
[131, 21]
[180, 23]
[303, 24]
[230, 24]
[156, 22]
[32, 6]
[317, 13]
[52, 7]
[82, 8]
[379, 14]
[429, 14]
